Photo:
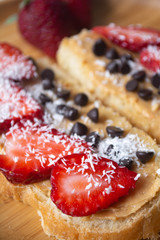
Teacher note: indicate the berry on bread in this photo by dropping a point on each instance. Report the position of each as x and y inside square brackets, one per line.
[31, 151]
[133, 38]
[83, 184]
[150, 58]
[14, 65]
[15, 105]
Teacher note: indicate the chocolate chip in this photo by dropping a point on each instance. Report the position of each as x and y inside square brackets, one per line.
[79, 129]
[109, 149]
[33, 62]
[63, 93]
[132, 85]
[126, 57]
[144, 156]
[113, 67]
[93, 138]
[81, 99]
[124, 67]
[93, 114]
[114, 131]
[67, 111]
[44, 99]
[145, 94]
[47, 84]
[47, 74]
[116, 153]
[99, 47]
[139, 75]
[112, 54]
[156, 80]
[126, 162]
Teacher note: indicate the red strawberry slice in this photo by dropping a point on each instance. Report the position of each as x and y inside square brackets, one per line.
[14, 65]
[16, 104]
[150, 58]
[45, 23]
[133, 38]
[32, 150]
[83, 184]
[81, 12]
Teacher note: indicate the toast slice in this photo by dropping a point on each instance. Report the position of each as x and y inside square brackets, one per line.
[141, 110]
[135, 216]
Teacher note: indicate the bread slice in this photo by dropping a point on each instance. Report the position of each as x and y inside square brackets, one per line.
[75, 55]
[135, 216]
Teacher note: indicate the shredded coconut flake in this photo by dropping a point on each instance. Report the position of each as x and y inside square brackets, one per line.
[158, 172]
[16, 67]
[15, 103]
[122, 148]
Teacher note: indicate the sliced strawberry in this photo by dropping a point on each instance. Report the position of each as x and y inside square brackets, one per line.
[150, 58]
[16, 104]
[133, 38]
[14, 65]
[83, 184]
[32, 150]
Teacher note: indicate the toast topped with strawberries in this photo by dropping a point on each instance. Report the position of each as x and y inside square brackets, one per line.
[87, 171]
[120, 80]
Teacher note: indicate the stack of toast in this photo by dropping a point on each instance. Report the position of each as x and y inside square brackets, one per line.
[79, 71]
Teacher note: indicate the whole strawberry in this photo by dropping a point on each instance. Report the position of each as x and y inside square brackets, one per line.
[81, 12]
[45, 23]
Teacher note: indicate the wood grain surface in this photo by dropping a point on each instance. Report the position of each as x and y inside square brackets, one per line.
[20, 222]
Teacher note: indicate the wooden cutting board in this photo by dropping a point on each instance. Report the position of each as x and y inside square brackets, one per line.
[21, 222]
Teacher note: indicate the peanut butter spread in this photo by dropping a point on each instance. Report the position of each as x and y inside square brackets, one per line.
[134, 139]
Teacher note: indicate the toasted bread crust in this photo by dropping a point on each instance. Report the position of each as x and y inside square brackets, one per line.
[142, 224]
[81, 66]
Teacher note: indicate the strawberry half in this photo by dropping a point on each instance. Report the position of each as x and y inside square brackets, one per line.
[83, 184]
[32, 150]
[16, 104]
[150, 58]
[133, 38]
[14, 65]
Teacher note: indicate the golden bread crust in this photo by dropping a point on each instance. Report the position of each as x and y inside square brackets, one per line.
[88, 70]
[142, 224]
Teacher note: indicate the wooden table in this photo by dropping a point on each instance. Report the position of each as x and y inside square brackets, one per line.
[17, 221]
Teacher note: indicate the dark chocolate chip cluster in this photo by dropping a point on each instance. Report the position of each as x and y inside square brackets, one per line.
[81, 99]
[143, 156]
[120, 64]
